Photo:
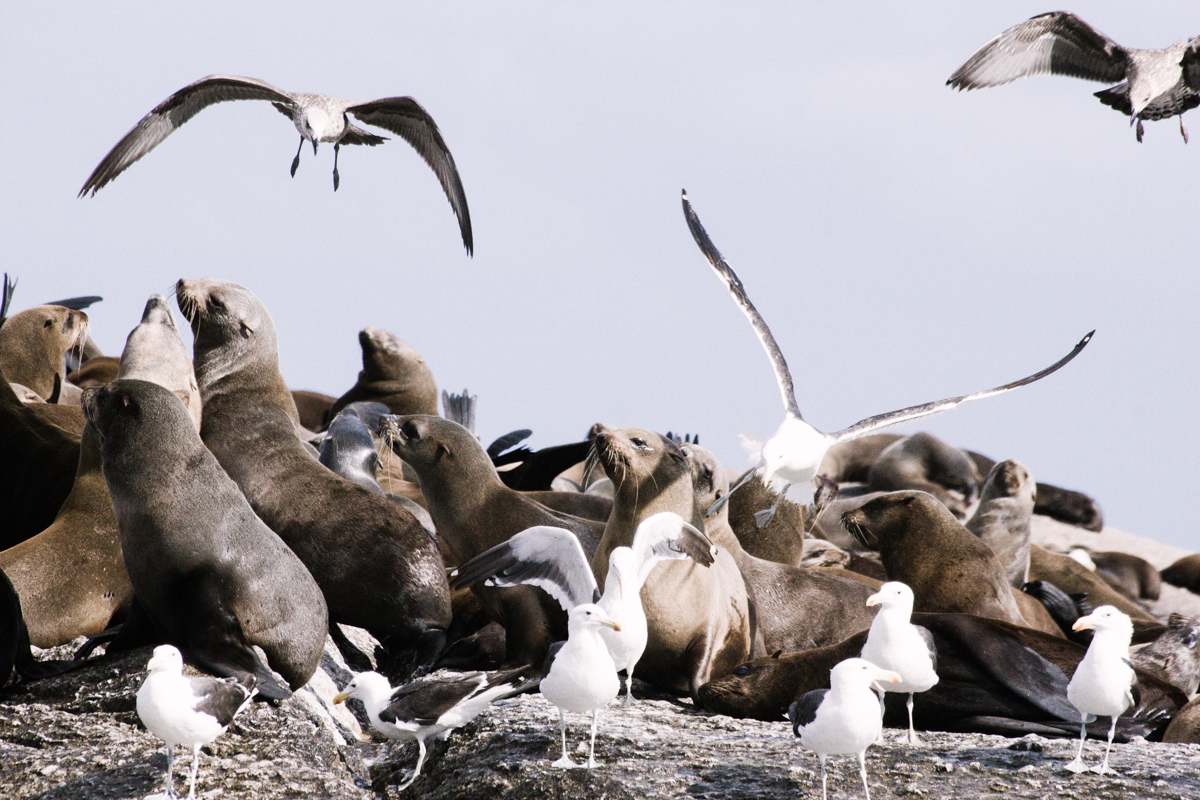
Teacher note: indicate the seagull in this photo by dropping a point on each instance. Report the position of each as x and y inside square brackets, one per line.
[787, 463]
[1156, 84]
[844, 718]
[552, 559]
[1104, 683]
[429, 707]
[894, 643]
[579, 675]
[187, 710]
[318, 118]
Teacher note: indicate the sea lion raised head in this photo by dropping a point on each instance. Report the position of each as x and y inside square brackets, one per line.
[394, 374]
[33, 343]
[154, 352]
[1004, 517]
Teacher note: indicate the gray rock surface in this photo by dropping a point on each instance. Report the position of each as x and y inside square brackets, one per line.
[78, 736]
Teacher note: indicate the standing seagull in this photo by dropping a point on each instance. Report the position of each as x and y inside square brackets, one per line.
[318, 117]
[1157, 84]
[430, 707]
[1104, 682]
[844, 718]
[552, 559]
[579, 674]
[186, 710]
[894, 643]
[787, 463]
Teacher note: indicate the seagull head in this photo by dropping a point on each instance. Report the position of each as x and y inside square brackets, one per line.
[858, 672]
[1106, 619]
[893, 594]
[590, 615]
[363, 686]
[166, 658]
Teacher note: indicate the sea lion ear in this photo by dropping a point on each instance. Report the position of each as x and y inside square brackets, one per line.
[247, 331]
[184, 397]
[777, 654]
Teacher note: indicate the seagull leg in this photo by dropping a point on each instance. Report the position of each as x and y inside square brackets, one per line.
[1077, 766]
[882, 711]
[195, 769]
[628, 680]
[296, 160]
[764, 517]
[170, 769]
[417, 770]
[336, 180]
[564, 761]
[591, 764]
[862, 770]
[1104, 768]
[1140, 131]
[1183, 129]
[824, 793]
[912, 732]
[723, 499]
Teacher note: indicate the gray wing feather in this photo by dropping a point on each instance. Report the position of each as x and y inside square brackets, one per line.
[872, 424]
[551, 653]
[406, 118]
[1059, 43]
[927, 637]
[356, 135]
[782, 375]
[424, 701]
[1190, 64]
[652, 544]
[221, 698]
[804, 711]
[172, 113]
[549, 558]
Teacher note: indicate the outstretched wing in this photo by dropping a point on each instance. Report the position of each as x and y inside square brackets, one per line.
[667, 536]
[173, 112]
[730, 279]
[1059, 43]
[406, 118]
[872, 424]
[543, 556]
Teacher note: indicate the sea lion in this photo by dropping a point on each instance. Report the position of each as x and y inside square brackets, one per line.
[213, 578]
[577, 504]
[922, 462]
[795, 609]
[994, 677]
[155, 352]
[394, 374]
[699, 618]
[1064, 505]
[1185, 726]
[33, 343]
[374, 562]
[850, 462]
[15, 653]
[1185, 573]
[95, 372]
[781, 539]
[1004, 516]
[349, 451]
[1130, 574]
[474, 511]
[1174, 656]
[1072, 577]
[312, 408]
[921, 544]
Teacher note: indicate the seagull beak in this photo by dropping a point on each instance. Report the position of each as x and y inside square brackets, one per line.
[889, 676]
[611, 623]
[341, 697]
[1083, 623]
[154, 662]
[873, 600]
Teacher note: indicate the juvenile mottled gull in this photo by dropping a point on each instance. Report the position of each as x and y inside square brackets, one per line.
[187, 710]
[318, 117]
[1157, 84]
[787, 462]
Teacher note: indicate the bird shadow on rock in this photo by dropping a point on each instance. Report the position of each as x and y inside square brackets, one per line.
[743, 782]
[132, 780]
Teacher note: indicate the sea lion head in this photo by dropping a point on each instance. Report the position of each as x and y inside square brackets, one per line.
[232, 328]
[34, 342]
[1009, 479]
[759, 689]
[709, 479]
[638, 460]
[386, 358]
[135, 420]
[431, 444]
[154, 352]
[888, 515]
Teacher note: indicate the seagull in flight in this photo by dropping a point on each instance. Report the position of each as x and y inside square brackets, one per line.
[787, 463]
[318, 118]
[1155, 84]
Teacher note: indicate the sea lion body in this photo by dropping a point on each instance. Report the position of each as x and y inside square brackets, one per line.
[374, 562]
[922, 462]
[1184, 573]
[1072, 577]
[95, 372]
[33, 343]
[1133, 575]
[394, 374]
[1004, 517]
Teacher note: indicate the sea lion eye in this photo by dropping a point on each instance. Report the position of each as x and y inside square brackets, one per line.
[216, 304]
[741, 670]
[409, 429]
[640, 444]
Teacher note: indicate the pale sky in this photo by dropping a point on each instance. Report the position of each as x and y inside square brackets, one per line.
[904, 241]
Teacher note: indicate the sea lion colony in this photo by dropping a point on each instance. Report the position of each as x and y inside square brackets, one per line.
[183, 503]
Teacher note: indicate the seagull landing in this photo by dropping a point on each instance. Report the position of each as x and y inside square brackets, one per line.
[318, 118]
[1157, 84]
[787, 462]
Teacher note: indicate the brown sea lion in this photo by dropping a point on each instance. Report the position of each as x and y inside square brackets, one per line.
[313, 408]
[374, 562]
[1131, 574]
[699, 618]
[212, 578]
[473, 511]
[781, 539]
[1185, 726]
[95, 372]
[394, 374]
[1070, 576]
[33, 343]
[1174, 656]
[1185, 573]
[1004, 517]
[795, 608]
[922, 462]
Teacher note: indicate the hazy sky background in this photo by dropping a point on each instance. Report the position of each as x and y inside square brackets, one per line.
[904, 241]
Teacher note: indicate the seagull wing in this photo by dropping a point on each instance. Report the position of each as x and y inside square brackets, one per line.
[221, 698]
[661, 538]
[927, 637]
[10, 286]
[872, 424]
[1059, 43]
[804, 711]
[173, 112]
[730, 279]
[406, 118]
[543, 556]
[423, 702]
[1190, 64]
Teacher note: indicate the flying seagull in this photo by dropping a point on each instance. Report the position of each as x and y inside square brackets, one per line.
[787, 462]
[318, 117]
[1156, 84]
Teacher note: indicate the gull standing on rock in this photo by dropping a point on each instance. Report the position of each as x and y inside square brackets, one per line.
[844, 718]
[552, 559]
[1104, 683]
[318, 118]
[430, 707]
[787, 463]
[894, 643]
[187, 710]
[1157, 84]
